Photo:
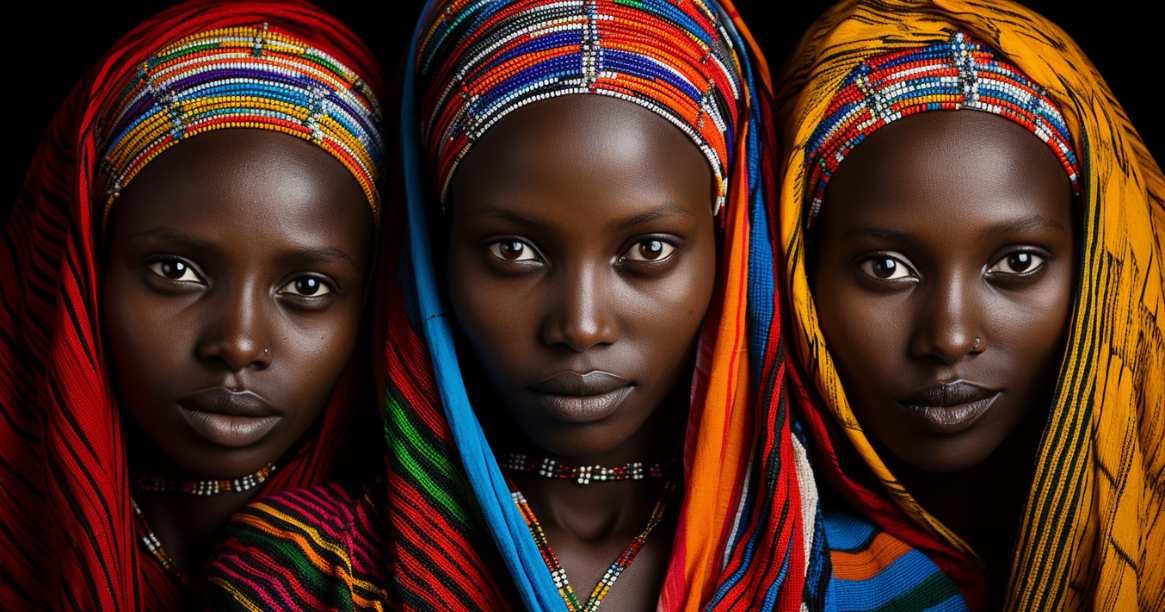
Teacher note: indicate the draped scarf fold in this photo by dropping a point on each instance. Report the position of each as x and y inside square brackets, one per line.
[68, 536]
[1093, 532]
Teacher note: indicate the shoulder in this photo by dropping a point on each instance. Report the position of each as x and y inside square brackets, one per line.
[313, 548]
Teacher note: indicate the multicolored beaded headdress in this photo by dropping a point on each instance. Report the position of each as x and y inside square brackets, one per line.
[960, 73]
[243, 77]
[481, 60]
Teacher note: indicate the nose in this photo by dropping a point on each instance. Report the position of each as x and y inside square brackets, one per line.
[947, 325]
[235, 336]
[582, 316]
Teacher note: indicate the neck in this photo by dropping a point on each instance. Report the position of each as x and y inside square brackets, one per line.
[984, 503]
[599, 510]
[187, 525]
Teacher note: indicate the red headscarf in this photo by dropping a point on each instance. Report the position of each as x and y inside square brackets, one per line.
[68, 535]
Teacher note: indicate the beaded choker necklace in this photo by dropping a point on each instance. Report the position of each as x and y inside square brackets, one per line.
[582, 474]
[603, 586]
[203, 488]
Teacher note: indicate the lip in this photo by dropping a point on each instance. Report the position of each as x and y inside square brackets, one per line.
[232, 419]
[580, 398]
[949, 408]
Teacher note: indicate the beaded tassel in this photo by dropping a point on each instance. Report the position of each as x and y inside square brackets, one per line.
[154, 545]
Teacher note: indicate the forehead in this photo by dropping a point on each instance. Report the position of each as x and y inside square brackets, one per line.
[583, 153]
[246, 183]
[948, 172]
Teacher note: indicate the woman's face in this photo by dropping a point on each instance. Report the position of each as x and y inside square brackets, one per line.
[232, 295]
[581, 261]
[943, 273]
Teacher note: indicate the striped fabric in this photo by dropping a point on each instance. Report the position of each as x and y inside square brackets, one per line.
[68, 534]
[1094, 527]
[333, 557]
[873, 570]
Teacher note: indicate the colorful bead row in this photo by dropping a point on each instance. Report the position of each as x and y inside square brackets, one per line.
[203, 488]
[581, 474]
[959, 73]
[511, 54]
[243, 77]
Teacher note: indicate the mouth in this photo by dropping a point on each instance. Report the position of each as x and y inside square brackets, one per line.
[231, 419]
[949, 408]
[581, 398]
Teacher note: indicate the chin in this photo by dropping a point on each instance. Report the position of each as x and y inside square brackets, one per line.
[948, 455]
[577, 443]
[219, 463]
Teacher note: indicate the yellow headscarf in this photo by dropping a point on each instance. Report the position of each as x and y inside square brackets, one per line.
[1093, 533]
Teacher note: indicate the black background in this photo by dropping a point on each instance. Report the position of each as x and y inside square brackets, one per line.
[50, 45]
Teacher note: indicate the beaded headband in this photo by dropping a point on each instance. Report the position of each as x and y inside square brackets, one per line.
[243, 77]
[960, 73]
[483, 59]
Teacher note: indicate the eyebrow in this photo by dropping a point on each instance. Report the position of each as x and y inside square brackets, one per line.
[1015, 226]
[878, 232]
[325, 254]
[171, 235]
[505, 215]
[1034, 222]
[307, 255]
[667, 210]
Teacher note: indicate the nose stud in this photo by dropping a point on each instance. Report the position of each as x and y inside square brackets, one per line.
[978, 346]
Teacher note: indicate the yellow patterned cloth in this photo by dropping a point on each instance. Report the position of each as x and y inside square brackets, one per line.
[1093, 534]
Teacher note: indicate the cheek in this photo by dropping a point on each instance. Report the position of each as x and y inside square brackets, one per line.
[314, 351]
[864, 331]
[492, 310]
[1031, 324]
[669, 310]
[146, 338]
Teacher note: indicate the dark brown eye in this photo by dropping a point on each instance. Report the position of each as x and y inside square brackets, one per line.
[307, 286]
[885, 267]
[652, 249]
[512, 249]
[175, 270]
[1018, 263]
